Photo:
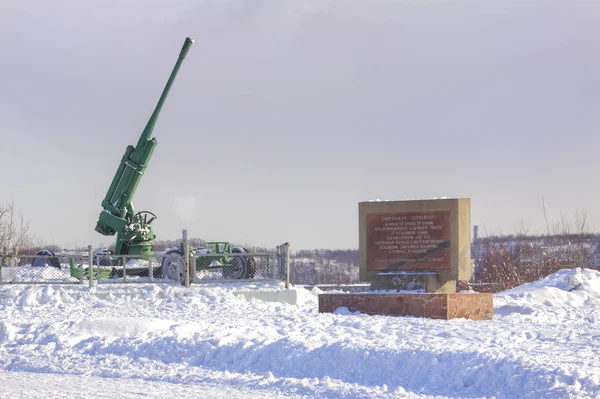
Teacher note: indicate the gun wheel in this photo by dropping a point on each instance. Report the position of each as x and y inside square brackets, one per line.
[102, 257]
[240, 267]
[46, 258]
[173, 266]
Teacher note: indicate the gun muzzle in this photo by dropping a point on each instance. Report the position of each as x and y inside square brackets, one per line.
[186, 47]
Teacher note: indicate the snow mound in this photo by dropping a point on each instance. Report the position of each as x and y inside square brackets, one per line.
[207, 334]
[48, 274]
[578, 279]
[566, 290]
[118, 327]
[35, 295]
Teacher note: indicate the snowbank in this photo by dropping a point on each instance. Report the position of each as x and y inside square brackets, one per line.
[32, 274]
[541, 343]
[562, 292]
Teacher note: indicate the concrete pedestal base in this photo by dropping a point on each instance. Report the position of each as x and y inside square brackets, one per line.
[477, 306]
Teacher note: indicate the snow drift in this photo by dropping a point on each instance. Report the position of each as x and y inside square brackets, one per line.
[541, 343]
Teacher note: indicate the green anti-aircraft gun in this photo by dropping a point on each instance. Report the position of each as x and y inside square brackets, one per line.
[134, 233]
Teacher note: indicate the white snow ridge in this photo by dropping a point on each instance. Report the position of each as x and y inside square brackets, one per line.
[161, 341]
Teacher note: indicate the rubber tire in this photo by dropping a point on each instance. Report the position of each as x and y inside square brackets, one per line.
[104, 256]
[251, 264]
[45, 261]
[173, 265]
[244, 268]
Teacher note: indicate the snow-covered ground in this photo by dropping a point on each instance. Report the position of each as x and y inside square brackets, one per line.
[151, 341]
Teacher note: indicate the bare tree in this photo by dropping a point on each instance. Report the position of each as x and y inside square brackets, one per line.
[569, 242]
[14, 230]
[507, 261]
[324, 266]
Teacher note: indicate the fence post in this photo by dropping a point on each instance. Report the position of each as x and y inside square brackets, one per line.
[287, 265]
[278, 264]
[151, 267]
[2, 261]
[124, 261]
[14, 260]
[186, 256]
[91, 264]
[192, 268]
[80, 268]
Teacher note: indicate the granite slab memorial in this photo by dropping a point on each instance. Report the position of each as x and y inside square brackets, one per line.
[413, 253]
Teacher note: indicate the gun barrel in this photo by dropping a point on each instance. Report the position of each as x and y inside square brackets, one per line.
[186, 47]
[152, 121]
[135, 160]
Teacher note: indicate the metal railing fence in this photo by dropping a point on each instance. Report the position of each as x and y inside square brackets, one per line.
[257, 266]
[113, 269]
[171, 267]
[68, 268]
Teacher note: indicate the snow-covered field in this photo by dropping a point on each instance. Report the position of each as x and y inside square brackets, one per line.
[167, 341]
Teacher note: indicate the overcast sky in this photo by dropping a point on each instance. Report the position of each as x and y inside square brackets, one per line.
[286, 114]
